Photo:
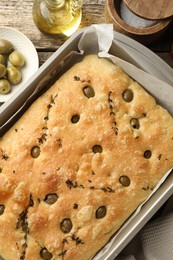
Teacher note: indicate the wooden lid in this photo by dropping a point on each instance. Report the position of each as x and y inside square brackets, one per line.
[152, 9]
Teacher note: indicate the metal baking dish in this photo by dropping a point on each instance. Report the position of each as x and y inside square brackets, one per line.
[134, 53]
[138, 55]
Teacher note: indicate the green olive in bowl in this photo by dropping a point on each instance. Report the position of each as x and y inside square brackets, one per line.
[2, 70]
[16, 59]
[5, 86]
[13, 75]
[6, 47]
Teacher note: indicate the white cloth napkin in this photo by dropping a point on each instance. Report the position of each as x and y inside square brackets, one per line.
[155, 240]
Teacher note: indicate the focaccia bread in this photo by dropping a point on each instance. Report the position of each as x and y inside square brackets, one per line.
[78, 163]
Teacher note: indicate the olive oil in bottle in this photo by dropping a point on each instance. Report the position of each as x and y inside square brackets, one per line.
[57, 17]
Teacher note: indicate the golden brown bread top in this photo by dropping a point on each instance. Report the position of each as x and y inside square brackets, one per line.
[79, 162]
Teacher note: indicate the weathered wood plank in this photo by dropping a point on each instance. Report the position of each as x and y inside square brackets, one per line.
[43, 56]
[167, 57]
[18, 14]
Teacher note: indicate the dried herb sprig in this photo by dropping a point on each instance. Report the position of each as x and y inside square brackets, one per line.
[63, 253]
[65, 241]
[5, 157]
[76, 239]
[22, 223]
[146, 188]
[76, 78]
[43, 136]
[112, 112]
[159, 157]
[72, 185]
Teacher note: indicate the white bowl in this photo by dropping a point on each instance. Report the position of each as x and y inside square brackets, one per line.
[22, 44]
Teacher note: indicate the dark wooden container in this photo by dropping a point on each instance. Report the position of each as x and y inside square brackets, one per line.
[144, 35]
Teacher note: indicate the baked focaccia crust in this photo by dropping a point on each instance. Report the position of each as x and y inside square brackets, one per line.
[76, 165]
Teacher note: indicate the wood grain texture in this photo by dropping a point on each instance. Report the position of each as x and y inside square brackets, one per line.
[153, 9]
[167, 57]
[18, 14]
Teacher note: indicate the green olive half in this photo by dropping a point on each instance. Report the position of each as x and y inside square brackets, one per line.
[124, 180]
[101, 212]
[45, 254]
[147, 154]
[97, 149]
[5, 86]
[6, 47]
[88, 91]
[127, 95]
[14, 75]
[2, 208]
[17, 59]
[51, 198]
[66, 225]
[35, 151]
[135, 123]
[75, 119]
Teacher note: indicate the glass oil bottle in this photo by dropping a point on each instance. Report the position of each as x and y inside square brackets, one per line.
[57, 17]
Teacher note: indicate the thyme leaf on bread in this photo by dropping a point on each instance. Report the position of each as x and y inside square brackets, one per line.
[43, 136]
[22, 220]
[76, 78]
[77, 239]
[63, 253]
[70, 184]
[22, 223]
[65, 241]
[159, 157]
[75, 206]
[112, 112]
[3, 155]
[147, 188]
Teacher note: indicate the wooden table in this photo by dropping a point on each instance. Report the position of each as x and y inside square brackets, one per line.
[18, 14]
